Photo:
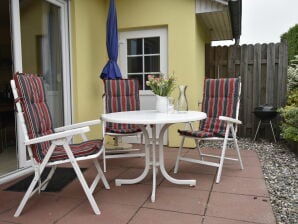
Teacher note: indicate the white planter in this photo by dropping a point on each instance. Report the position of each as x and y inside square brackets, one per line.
[162, 104]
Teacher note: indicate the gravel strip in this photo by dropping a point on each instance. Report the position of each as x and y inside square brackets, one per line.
[279, 167]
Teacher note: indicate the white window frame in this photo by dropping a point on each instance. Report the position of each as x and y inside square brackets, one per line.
[162, 33]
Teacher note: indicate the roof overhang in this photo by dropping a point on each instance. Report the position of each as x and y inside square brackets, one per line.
[222, 18]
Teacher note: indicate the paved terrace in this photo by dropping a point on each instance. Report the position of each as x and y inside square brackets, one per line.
[240, 198]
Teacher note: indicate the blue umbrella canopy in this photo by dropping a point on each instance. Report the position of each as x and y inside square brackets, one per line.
[111, 69]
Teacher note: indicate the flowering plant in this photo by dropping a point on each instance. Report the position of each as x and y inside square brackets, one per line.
[161, 85]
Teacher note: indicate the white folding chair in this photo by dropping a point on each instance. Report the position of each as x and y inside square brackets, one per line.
[121, 95]
[221, 102]
[48, 147]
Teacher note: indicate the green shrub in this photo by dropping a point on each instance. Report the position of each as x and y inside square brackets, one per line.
[289, 126]
[292, 78]
[289, 113]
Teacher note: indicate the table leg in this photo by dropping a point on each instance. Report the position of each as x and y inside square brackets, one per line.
[153, 163]
[119, 182]
[162, 165]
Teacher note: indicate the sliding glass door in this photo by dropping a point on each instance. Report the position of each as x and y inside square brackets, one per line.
[41, 47]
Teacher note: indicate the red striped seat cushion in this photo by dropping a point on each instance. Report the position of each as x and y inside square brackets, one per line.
[83, 149]
[132, 129]
[220, 99]
[38, 120]
[122, 95]
[198, 134]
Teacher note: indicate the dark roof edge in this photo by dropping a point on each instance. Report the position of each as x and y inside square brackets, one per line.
[235, 7]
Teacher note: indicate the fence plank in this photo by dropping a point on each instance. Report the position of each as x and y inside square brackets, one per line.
[249, 95]
[244, 80]
[256, 80]
[270, 74]
[282, 74]
[231, 59]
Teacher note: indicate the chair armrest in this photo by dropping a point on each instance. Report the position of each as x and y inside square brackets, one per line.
[78, 125]
[56, 136]
[229, 119]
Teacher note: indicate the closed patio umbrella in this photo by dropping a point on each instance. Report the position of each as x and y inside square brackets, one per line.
[111, 69]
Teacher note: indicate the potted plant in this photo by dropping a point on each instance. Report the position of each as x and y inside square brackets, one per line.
[162, 86]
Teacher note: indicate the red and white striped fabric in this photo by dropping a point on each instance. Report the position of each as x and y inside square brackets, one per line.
[121, 95]
[39, 122]
[220, 99]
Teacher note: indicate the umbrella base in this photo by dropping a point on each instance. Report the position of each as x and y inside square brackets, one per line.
[121, 145]
[117, 145]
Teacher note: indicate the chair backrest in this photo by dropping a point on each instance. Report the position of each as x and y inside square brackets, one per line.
[34, 109]
[221, 97]
[121, 95]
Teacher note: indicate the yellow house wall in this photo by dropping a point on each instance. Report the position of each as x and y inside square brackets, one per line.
[88, 24]
[186, 49]
[186, 42]
[197, 92]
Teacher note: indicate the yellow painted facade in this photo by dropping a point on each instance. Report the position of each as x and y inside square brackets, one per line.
[88, 56]
[186, 48]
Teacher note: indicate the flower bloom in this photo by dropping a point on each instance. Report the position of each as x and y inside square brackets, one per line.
[161, 85]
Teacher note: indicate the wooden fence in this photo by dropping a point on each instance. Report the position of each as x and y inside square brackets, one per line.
[263, 71]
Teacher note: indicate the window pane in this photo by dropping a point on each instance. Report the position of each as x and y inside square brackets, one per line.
[139, 77]
[134, 46]
[152, 64]
[134, 64]
[151, 45]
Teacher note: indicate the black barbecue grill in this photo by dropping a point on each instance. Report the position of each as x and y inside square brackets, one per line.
[265, 113]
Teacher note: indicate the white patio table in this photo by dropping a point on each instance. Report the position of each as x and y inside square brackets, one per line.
[153, 118]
